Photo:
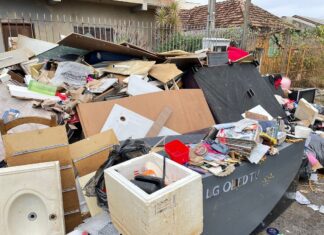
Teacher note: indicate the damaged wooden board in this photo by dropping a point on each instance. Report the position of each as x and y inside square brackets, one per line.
[190, 110]
[165, 72]
[34, 45]
[14, 57]
[130, 67]
[89, 154]
[93, 44]
[45, 145]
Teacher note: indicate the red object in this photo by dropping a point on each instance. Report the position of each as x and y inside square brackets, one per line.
[277, 83]
[177, 151]
[235, 53]
[61, 95]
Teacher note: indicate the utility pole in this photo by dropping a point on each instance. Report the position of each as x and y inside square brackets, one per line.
[211, 16]
[246, 24]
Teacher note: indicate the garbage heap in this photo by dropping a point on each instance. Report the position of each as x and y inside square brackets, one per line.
[128, 130]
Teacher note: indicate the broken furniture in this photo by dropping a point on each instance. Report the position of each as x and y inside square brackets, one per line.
[5, 127]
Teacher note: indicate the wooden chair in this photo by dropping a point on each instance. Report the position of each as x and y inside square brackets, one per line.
[5, 127]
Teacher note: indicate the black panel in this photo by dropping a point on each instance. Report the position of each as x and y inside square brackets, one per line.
[232, 90]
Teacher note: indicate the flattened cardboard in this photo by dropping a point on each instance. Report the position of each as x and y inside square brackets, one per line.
[34, 45]
[43, 145]
[18, 56]
[126, 44]
[89, 154]
[165, 72]
[93, 44]
[190, 110]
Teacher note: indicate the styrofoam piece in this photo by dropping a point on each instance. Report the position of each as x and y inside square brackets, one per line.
[24, 93]
[106, 83]
[175, 209]
[302, 132]
[31, 200]
[128, 124]
[305, 111]
[137, 86]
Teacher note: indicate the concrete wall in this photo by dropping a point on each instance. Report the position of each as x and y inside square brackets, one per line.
[51, 21]
[74, 8]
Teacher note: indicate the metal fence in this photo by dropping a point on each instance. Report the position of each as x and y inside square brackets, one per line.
[148, 35]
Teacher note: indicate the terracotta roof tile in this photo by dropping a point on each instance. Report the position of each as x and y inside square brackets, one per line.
[229, 14]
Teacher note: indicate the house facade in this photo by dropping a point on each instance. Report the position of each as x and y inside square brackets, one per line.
[50, 19]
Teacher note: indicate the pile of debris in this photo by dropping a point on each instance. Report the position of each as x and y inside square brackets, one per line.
[115, 107]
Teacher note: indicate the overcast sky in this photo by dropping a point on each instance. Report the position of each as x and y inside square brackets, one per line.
[311, 8]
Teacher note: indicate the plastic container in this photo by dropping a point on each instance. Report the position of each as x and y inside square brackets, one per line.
[42, 88]
[177, 151]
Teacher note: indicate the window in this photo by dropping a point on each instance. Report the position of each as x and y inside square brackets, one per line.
[273, 50]
[97, 32]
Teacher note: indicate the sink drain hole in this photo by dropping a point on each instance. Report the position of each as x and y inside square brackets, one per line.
[32, 216]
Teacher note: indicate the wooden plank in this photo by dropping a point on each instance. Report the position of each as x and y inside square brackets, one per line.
[165, 72]
[138, 67]
[34, 45]
[190, 110]
[92, 44]
[14, 57]
[159, 122]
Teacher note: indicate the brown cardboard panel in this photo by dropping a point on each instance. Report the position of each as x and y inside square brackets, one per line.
[126, 44]
[68, 178]
[72, 221]
[70, 201]
[42, 145]
[91, 44]
[165, 72]
[89, 154]
[190, 110]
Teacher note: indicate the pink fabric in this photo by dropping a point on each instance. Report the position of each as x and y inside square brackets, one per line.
[312, 158]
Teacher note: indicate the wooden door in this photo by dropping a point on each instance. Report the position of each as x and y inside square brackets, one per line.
[13, 29]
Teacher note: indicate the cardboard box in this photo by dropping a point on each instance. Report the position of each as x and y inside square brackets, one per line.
[175, 209]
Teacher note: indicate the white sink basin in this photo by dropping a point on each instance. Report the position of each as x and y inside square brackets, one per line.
[31, 200]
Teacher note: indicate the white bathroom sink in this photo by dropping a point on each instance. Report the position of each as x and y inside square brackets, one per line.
[31, 200]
